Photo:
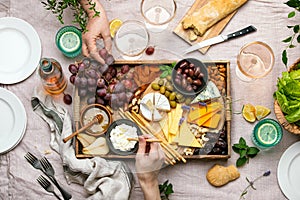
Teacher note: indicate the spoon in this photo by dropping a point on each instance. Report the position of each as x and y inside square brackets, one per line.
[97, 119]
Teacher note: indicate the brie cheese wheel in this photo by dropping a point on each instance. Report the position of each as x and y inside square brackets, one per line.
[152, 104]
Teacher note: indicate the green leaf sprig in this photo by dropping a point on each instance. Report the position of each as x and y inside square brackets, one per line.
[166, 70]
[57, 7]
[251, 184]
[244, 151]
[165, 190]
[290, 41]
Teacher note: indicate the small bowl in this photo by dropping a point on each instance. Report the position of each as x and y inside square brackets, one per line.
[178, 74]
[109, 142]
[89, 112]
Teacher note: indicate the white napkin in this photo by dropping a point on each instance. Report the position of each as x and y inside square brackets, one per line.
[103, 179]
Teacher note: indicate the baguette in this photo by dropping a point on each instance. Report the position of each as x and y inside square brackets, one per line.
[210, 14]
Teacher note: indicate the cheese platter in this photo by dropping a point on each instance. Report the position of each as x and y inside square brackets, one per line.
[190, 127]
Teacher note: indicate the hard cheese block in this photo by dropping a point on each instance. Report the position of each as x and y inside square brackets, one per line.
[185, 137]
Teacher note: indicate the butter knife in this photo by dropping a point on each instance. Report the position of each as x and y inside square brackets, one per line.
[220, 38]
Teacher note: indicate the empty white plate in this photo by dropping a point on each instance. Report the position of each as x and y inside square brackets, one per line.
[288, 172]
[13, 120]
[20, 50]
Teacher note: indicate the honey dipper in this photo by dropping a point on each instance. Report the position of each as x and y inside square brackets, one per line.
[97, 119]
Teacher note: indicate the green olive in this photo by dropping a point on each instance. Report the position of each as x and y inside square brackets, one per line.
[181, 100]
[172, 96]
[173, 104]
[162, 89]
[188, 101]
[161, 82]
[155, 86]
[179, 96]
[167, 93]
[169, 78]
[170, 88]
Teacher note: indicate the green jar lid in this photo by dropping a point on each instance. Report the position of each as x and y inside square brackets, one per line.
[68, 41]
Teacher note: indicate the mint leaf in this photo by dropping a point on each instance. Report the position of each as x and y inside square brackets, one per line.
[241, 161]
[284, 58]
[243, 153]
[242, 141]
[291, 14]
[236, 149]
[252, 151]
[287, 39]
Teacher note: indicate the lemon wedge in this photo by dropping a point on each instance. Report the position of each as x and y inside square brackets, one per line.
[248, 112]
[261, 112]
[114, 25]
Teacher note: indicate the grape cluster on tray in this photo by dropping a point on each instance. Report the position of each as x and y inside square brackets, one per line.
[103, 84]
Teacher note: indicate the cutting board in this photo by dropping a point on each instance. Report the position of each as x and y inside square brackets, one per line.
[213, 31]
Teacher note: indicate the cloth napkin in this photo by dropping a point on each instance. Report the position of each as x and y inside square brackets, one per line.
[103, 179]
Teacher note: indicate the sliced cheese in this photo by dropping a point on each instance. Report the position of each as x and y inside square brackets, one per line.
[85, 139]
[198, 111]
[204, 118]
[164, 126]
[186, 137]
[98, 147]
[176, 116]
[213, 122]
[152, 104]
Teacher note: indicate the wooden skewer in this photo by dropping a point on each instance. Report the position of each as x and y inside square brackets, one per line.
[97, 119]
[147, 140]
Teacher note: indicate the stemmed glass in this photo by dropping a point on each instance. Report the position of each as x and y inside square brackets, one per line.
[158, 14]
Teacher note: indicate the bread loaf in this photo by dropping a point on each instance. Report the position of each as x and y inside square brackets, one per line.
[219, 175]
[209, 14]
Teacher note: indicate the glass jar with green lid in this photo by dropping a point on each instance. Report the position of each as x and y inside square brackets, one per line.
[68, 41]
[267, 133]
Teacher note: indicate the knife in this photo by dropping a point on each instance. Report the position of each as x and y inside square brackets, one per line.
[220, 38]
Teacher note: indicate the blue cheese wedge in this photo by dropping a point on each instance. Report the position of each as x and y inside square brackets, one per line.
[211, 91]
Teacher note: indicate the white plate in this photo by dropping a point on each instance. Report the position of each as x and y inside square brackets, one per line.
[288, 172]
[13, 120]
[20, 50]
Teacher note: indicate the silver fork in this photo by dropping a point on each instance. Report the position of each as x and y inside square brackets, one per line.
[37, 164]
[46, 185]
[49, 171]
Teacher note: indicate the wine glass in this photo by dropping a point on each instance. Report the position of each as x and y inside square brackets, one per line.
[255, 60]
[158, 14]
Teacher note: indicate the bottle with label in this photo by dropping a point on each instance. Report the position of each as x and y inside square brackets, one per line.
[53, 79]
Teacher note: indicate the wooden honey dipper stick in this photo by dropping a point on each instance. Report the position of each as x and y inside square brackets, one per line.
[147, 140]
[97, 119]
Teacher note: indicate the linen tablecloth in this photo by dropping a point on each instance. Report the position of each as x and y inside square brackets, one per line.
[17, 180]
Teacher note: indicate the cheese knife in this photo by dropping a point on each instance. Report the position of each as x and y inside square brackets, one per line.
[220, 38]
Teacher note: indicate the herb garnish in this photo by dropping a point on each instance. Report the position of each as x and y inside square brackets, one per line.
[244, 151]
[251, 184]
[166, 69]
[57, 7]
[296, 30]
[165, 190]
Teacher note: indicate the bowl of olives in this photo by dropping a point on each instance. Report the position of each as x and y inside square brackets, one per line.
[189, 76]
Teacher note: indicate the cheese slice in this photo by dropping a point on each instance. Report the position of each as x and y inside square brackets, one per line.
[85, 139]
[164, 126]
[198, 111]
[186, 137]
[173, 128]
[204, 118]
[161, 102]
[156, 115]
[98, 147]
[213, 122]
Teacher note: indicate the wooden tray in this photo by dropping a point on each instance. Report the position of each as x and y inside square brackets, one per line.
[213, 31]
[225, 93]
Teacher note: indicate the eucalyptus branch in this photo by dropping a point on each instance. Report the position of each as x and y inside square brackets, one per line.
[57, 7]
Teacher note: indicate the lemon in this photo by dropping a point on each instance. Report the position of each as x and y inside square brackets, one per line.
[114, 25]
[248, 112]
[69, 41]
[261, 112]
[267, 133]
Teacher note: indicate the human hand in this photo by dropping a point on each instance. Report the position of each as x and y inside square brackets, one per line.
[97, 27]
[148, 163]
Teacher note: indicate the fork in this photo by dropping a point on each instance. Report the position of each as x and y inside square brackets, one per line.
[37, 164]
[46, 185]
[49, 171]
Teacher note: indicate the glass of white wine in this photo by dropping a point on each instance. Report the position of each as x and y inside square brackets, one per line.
[131, 39]
[158, 13]
[255, 60]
